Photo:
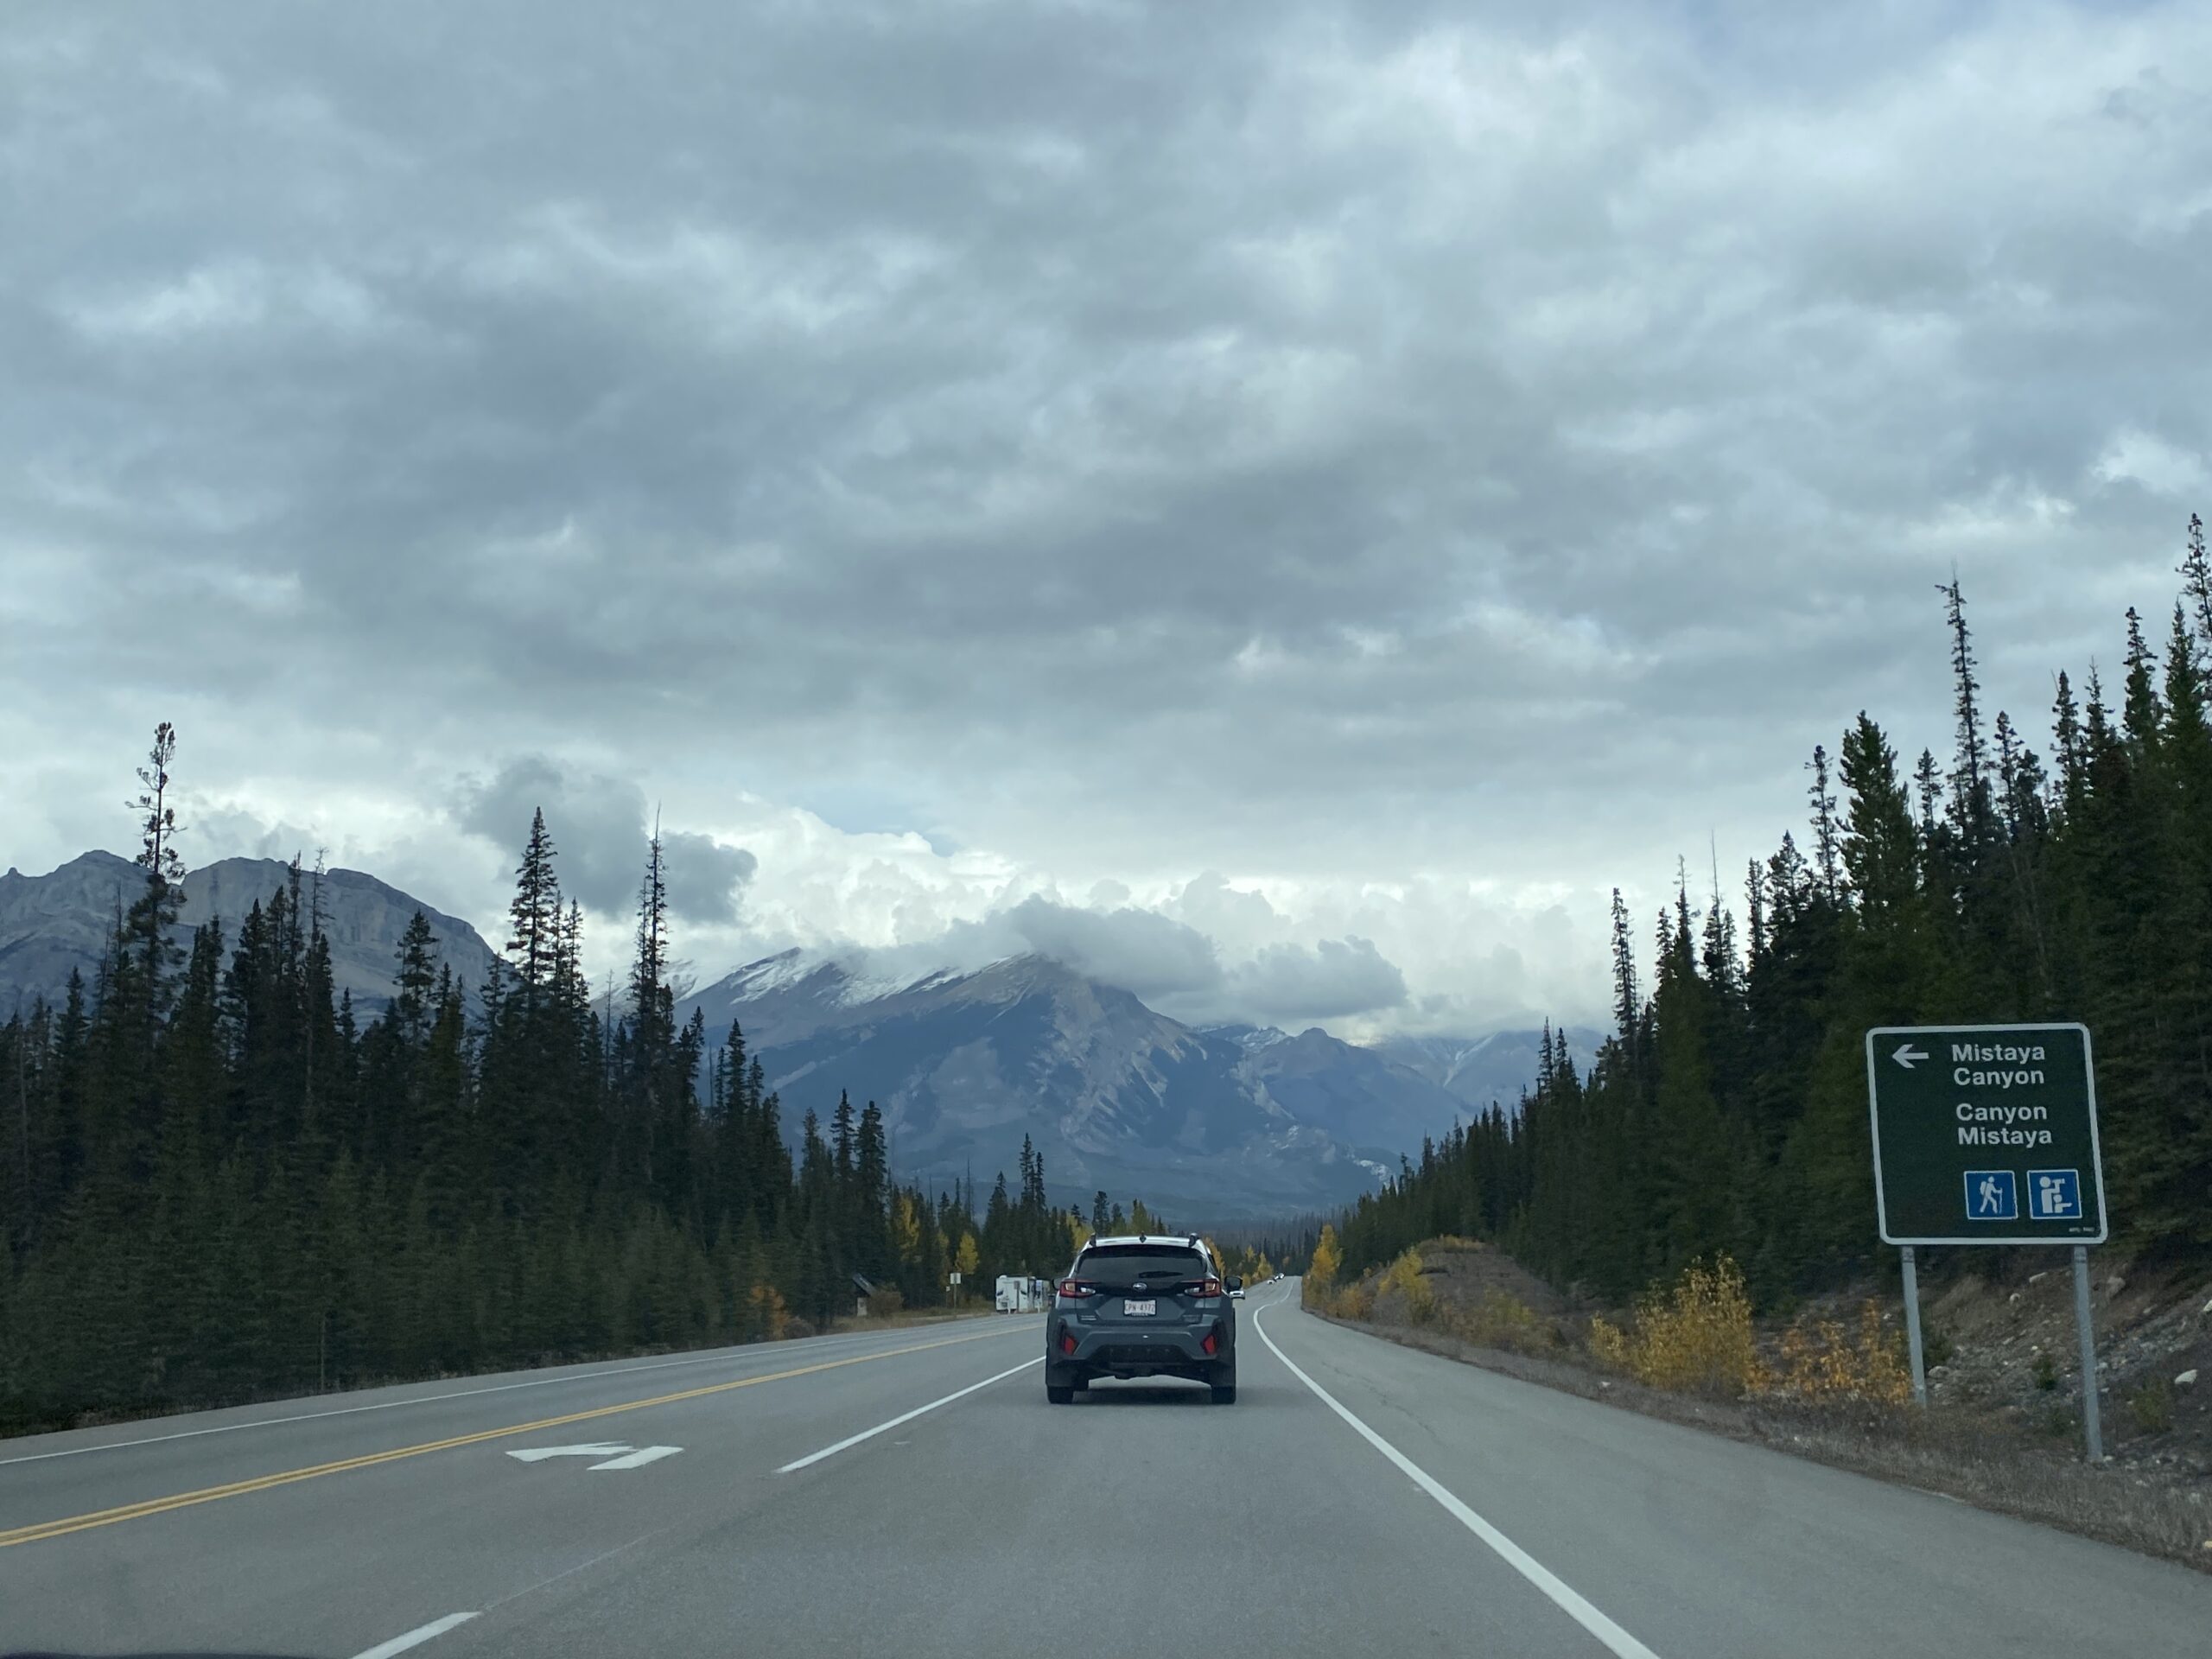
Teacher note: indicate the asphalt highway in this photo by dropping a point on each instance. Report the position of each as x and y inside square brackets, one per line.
[910, 1492]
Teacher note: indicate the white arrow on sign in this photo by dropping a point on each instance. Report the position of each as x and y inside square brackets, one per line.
[1907, 1054]
[617, 1455]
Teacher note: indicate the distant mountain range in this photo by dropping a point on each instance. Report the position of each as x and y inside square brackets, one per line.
[1214, 1123]
[51, 924]
[1220, 1122]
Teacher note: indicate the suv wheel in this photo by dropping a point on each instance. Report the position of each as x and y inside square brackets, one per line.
[1065, 1396]
[1224, 1394]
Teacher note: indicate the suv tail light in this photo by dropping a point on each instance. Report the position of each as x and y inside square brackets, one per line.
[1212, 1343]
[1204, 1287]
[1067, 1342]
[1074, 1290]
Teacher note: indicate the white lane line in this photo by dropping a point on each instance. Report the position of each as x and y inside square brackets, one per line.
[639, 1458]
[769, 1351]
[1563, 1595]
[905, 1417]
[414, 1637]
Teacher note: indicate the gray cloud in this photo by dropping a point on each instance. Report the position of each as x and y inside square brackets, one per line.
[1182, 970]
[600, 831]
[705, 877]
[1379, 448]
[597, 825]
[1293, 984]
[1139, 950]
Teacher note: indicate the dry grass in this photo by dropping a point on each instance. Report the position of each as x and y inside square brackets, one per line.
[908, 1318]
[1501, 1319]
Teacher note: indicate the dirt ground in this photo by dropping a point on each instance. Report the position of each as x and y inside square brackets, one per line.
[2010, 1349]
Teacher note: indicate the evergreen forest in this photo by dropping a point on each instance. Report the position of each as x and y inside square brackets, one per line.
[219, 1182]
[1727, 1112]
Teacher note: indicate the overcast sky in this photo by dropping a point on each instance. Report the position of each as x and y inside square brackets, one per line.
[1284, 504]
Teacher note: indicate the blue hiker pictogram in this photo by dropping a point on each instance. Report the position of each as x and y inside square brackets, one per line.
[1992, 1195]
[2055, 1194]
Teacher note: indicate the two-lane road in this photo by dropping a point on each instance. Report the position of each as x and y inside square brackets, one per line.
[911, 1492]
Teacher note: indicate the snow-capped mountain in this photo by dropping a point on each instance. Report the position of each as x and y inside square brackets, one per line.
[1220, 1122]
[52, 923]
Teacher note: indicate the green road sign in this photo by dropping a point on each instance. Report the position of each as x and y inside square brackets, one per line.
[1985, 1134]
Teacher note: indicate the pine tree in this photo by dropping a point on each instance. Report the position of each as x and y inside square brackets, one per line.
[535, 938]
[416, 977]
[871, 1195]
[2067, 745]
[1627, 1004]
[1827, 841]
[155, 913]
[2197, 576]
[1970, 784]
[844, 1218]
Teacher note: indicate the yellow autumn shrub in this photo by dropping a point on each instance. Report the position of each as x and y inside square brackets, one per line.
[1823, 1362]
[768, 1315]
[1319, 1284]
[1404, 1278]
[1692, 1336]
[1609, 1344]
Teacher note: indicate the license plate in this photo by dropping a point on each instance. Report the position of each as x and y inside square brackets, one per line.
[1137, 1310]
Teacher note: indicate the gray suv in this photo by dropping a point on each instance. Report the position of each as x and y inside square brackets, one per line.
[1142, 1306]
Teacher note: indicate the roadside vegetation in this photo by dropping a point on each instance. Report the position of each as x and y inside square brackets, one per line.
[1694, 1335]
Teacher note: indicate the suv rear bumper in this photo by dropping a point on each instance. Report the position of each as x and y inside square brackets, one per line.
[1121, 1350]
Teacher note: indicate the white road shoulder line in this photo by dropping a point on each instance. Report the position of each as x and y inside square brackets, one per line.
[905, 1417]
[1563, 1595]
[414, 1637]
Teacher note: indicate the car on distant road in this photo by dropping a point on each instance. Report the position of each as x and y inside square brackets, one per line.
[1142, 1305]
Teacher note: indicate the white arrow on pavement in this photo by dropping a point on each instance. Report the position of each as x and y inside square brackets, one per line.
[1907, 1054]
[640, 1458]
[618, 1454]
[538, 1453]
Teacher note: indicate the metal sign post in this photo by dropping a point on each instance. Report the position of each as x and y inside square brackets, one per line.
[1912, 1329]
[1987, 1134]
[2091, 1430]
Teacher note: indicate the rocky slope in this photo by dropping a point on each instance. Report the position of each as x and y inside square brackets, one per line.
[54, 924]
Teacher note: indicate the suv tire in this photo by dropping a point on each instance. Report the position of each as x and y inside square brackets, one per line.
[1224, 1394]
[1065, 1396]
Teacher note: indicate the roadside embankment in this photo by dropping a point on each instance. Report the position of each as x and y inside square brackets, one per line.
[1831, 1381]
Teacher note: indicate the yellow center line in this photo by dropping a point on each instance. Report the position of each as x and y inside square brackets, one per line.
[32, 1535]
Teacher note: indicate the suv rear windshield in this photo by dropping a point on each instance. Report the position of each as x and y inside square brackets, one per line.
[1132, 1264]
